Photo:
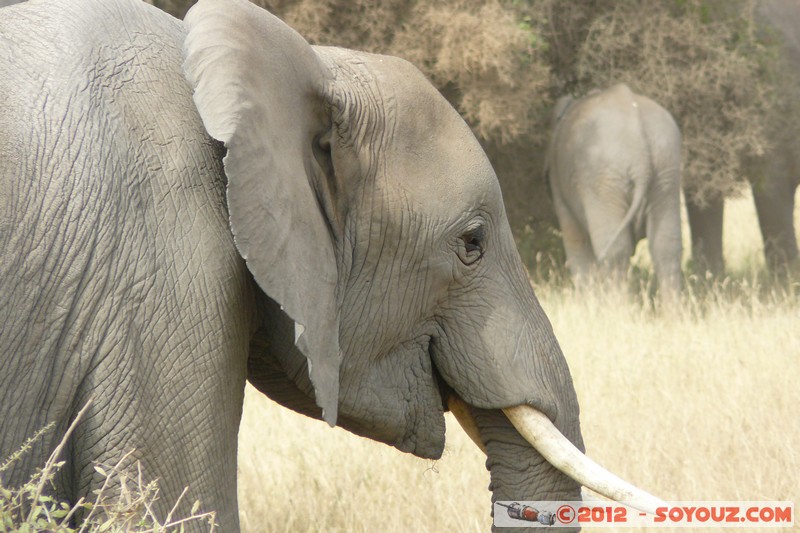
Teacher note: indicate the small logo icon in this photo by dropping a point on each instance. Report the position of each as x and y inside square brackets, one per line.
[528, 513]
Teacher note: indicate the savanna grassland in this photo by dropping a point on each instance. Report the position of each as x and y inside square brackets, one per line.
[699, 404]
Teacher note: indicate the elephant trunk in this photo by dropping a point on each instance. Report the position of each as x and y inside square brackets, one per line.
[518, 472]
[540, 432]
[535, 445]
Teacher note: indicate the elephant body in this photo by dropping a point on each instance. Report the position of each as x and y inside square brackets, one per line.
[774, 197]
[775, 176]
[614, 170]
[189, 205]
[118, 263]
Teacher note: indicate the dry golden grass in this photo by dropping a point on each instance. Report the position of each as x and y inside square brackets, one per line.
[299, 475]
[700, 404]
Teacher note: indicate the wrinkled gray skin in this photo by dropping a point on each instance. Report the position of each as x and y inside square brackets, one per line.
[614, 171]
[361, 205]
[776, 175]
[774, 197]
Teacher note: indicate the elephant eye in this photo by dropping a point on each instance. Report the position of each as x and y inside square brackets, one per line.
[470, 248]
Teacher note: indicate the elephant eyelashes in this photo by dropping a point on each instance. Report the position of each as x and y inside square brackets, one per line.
[471, 248]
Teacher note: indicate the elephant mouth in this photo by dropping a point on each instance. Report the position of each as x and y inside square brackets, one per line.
[556, 449]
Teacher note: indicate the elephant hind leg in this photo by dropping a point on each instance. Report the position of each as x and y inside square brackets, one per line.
[664, 238]
[577, 245]
[775, 208]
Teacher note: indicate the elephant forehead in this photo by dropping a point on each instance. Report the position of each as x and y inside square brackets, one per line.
[421, 144]
[434, 156]
[447, 184]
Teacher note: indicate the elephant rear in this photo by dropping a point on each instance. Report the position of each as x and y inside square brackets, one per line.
[598, 149]
[614, 167]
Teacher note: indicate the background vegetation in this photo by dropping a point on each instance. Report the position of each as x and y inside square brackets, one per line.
[712, 63]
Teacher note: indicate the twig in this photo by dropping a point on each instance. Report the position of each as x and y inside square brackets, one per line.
[48, 467]
[175, 507]
[72, 512]
[102, 489]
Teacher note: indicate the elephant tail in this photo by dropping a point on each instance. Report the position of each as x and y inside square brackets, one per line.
[640, 186]
[639, 190]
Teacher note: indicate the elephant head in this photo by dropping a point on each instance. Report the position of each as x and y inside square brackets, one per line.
[374, 224]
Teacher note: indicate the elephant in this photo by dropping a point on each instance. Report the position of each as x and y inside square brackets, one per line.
[190, 205]
[613, 165]
[774, 178]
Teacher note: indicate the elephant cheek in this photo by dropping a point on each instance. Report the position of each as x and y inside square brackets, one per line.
[395, 400]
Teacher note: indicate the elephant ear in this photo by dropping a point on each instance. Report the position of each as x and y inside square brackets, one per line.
[259, 89]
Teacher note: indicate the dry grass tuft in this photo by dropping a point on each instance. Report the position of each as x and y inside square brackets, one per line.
[124, 503]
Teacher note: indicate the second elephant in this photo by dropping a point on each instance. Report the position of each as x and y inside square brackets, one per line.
[614, 170]
[775, 176]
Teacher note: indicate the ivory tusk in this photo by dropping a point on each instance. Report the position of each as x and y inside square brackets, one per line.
[540, 432]
[460, 410]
